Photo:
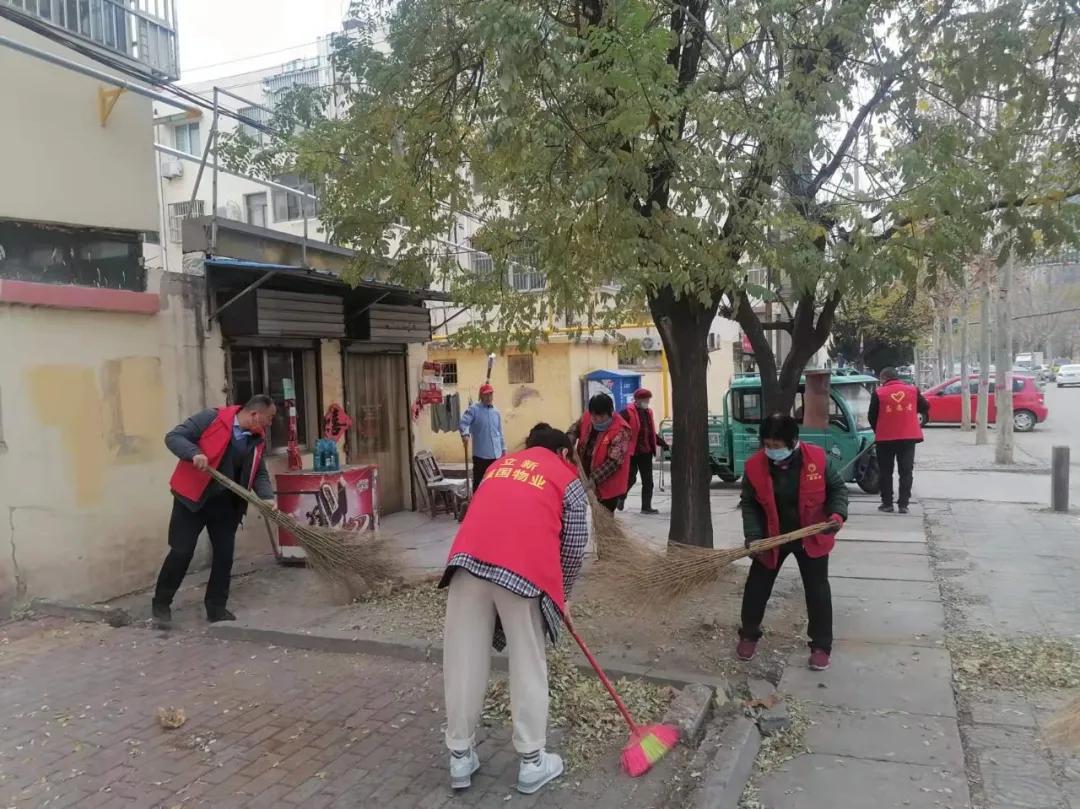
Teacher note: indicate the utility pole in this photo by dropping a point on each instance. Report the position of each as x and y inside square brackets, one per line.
[965, 371]
[1003, 453]
[982, 434]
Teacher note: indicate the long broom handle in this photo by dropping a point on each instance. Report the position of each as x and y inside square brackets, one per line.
[603, 677]
[782, 539]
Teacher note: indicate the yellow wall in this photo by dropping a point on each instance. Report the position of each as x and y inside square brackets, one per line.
[86, 400]
[553, 396]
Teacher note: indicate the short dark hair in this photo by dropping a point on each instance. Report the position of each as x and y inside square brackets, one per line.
[889, 374]
[780, 427]
[260, 401]
[602, 405]
[546, 436]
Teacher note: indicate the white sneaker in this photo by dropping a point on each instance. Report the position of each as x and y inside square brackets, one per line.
[531, 777]
[462, 769]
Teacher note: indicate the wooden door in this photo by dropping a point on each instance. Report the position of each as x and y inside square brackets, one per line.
[380, 431]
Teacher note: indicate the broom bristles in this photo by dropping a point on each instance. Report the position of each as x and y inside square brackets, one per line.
[350, 560]
[645, 749]
[1064, 728]
[635, 573]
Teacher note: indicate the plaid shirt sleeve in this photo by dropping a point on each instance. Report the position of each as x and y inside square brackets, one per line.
[575, 533]
[617, 450]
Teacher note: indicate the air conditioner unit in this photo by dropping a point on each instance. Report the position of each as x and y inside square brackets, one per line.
[651, 344]
[171, 168]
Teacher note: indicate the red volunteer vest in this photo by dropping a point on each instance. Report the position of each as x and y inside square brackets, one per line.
[637, 424]
[189, 482]
[515, 519]
[617, 484]
[811, 500]
[898, 412]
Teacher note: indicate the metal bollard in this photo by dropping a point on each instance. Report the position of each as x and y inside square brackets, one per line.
[1059, 479]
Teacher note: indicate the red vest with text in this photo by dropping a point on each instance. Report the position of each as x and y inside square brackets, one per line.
[811, 500]
[617, 484]
[189, 482]
[898, 412]
[637, 424]
[515, 519]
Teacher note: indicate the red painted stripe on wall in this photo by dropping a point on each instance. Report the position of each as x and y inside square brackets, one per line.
[66, 296]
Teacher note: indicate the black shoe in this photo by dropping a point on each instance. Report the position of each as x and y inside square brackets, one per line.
[649, 511]
[214, 616]
[162, 615]
[888, 509]
[903, 509]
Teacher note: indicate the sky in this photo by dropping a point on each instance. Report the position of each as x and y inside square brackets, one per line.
[225, 37]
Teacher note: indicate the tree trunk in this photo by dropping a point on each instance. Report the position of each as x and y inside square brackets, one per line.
[965, 371]
[982, 435]
[684, 327]
[1003, 453]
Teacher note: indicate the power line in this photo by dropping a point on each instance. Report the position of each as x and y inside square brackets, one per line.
[254, 56]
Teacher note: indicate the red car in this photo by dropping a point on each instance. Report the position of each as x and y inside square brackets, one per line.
[1029, 404]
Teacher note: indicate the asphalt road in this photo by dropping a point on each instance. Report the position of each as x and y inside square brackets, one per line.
[1062, 428]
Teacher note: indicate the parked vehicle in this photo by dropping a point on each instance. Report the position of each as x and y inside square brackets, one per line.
[733, 436]
[1029, 361]
[946, 401]
[1068, 375]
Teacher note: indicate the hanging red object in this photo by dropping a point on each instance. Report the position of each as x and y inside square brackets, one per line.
[336, 423]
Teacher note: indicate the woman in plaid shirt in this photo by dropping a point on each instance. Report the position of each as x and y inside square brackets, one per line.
[512, 564]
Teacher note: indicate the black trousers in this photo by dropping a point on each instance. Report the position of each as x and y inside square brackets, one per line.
[479, 467]
[901, 454]
[815, 577]
[642, 462]
[220, 516]
[611, 503]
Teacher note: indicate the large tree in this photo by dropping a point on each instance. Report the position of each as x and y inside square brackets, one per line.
[657, 151]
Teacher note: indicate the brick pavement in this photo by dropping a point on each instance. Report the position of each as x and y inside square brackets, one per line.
[265, 727]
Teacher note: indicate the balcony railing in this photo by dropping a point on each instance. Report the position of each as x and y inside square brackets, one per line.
[142, 33]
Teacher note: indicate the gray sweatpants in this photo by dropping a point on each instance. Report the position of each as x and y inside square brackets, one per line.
[471, 607]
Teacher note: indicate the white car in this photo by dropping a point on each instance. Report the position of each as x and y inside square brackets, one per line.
[1068, 375]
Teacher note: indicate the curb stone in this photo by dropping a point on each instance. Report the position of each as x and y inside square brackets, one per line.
[731, 765]
[424, 651]
[689, 711]
[90, 613]
[769, 720]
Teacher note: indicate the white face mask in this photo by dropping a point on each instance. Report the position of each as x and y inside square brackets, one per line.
[644, 403]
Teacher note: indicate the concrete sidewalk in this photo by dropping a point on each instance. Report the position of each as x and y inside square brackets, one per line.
[883, 726]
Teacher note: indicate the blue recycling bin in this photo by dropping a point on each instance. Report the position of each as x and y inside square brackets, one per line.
[619, 385]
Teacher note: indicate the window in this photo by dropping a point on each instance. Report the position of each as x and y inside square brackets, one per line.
[520, 369]
[481, 264]
[290, 207]
[257, 115]
[526, 278]
[449, 371]
[951, 390]
[178, 212]
[747, 406]
[53, 254]
[186, 138]
[263, 370]
[255, 204]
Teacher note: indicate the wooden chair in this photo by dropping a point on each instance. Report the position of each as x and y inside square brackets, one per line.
[444, 496]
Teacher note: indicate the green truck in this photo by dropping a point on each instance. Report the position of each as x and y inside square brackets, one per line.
[733, 436]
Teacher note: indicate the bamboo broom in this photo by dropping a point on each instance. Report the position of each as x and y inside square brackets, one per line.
[1064, 729]
[349, 560]
[635, 573]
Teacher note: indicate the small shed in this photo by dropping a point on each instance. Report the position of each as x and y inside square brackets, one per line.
[619, 385]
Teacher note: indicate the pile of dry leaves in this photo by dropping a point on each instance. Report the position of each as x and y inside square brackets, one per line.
[1019, 664]
[581, 706]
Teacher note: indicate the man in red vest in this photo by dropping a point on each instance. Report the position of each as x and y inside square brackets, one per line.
[511, 566]
[604, 448]
[894, 415]
[788, 485]
[643, 442]
[230, 440]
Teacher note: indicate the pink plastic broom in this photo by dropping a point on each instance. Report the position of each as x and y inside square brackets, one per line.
[647, 744]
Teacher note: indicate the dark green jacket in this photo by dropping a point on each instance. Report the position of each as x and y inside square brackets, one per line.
[786, 486]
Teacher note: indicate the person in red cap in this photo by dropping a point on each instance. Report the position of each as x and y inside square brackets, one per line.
[643, 442]
[482, 422]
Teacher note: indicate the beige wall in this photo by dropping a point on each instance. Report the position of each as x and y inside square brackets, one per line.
[58, 163]
[84, 474]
